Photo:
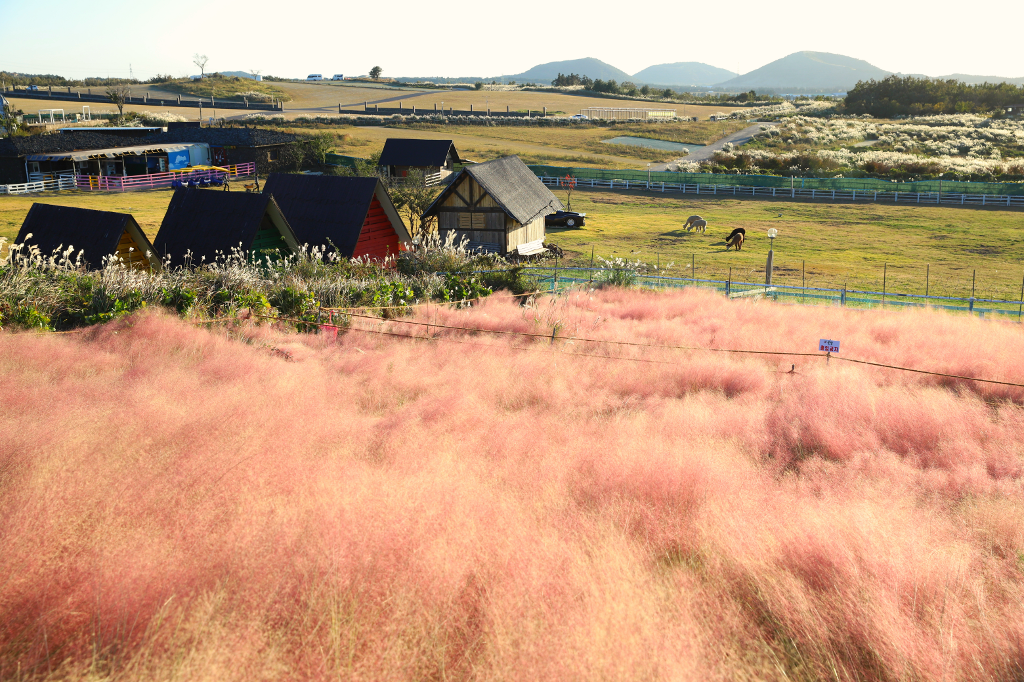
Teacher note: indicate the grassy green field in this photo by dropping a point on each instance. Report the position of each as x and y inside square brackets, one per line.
[836, 244]
[148, 207]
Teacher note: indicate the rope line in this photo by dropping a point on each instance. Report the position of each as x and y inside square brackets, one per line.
[586, 340]
[925, 371]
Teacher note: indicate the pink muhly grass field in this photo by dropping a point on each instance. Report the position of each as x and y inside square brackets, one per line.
[184, 504]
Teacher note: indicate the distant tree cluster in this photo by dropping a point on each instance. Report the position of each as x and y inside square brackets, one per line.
[573, 80]
[44, 80]
[907, 95]
[610, 86]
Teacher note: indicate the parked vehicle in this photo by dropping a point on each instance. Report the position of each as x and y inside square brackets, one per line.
[315, 77]
[338, 77]
[32, 87]
[565, 219]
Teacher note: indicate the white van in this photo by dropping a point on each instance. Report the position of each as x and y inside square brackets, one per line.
[315, 77]
[338, 77]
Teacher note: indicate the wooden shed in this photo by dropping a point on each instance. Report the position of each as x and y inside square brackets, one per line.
[202, 225]
[355, 215]
[436, 159]
[497, 206]
[96, 234]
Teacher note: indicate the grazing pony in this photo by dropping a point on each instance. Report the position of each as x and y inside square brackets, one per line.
[701, 225]
[689, 222]
[735, 239]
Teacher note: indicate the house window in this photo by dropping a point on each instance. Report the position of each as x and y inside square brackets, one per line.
[273, 155]
[33, 166]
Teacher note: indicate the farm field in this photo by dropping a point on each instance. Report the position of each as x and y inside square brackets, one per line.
[582, 146]
[839, 243]
[284, 506]
[843, 243]
[480, 143]
[325, 94]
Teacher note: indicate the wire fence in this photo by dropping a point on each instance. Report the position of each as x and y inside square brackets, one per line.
[861, 185]
[555, 278]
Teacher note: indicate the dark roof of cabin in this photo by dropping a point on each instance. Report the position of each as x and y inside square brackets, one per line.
[323, 207]
[95, 233]
[512, 185]
[209, 223]
[69, 142]
[400, 151]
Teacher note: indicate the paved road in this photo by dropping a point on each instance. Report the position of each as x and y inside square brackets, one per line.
[705, 153]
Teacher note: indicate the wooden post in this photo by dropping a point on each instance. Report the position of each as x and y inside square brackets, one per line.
[803, 279]
[545, 111]
[693, 267]
[728, 283]
[885, 270]
[1021, 308]
[927, 277]
[592, 272]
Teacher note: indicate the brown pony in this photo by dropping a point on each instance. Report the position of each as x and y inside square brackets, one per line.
[735, 239]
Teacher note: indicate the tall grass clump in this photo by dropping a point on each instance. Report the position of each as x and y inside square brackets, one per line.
[183, 502]
[60, 291]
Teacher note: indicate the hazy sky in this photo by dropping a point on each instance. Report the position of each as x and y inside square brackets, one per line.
[406, 38]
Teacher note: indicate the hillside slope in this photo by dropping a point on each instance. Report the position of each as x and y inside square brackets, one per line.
[808, 71]
[682, 73]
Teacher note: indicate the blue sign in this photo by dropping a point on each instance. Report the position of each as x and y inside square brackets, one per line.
[177, 160]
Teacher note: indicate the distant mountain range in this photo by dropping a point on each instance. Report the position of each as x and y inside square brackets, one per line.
[807, 71]
[680, 73]
[798, 72]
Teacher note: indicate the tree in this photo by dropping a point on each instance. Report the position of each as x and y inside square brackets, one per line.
[412, 197]
[119, 94]
[315, 148]
[200, 61]
[255, 73]
[9, 119]
[375, 72]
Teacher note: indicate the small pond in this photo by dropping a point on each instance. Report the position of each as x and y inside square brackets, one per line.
[653, 144]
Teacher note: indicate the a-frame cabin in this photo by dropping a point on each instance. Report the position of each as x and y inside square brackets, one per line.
[498, 206]
[202, 225]
[93, 234]
[353, 215]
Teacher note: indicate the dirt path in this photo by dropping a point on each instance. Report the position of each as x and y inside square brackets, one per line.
[706, 153]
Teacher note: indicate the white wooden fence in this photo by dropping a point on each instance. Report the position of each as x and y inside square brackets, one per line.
[947, 198]
[49, 185]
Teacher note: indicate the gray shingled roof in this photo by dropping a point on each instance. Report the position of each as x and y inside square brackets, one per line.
[512, 185]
